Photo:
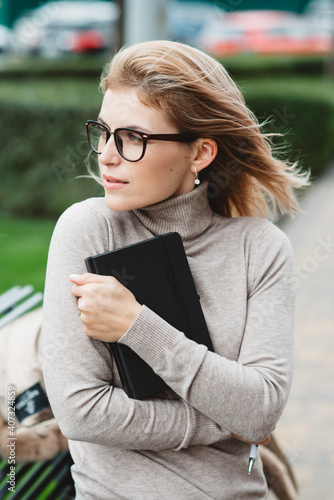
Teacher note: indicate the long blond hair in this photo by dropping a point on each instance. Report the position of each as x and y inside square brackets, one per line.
[197, 95]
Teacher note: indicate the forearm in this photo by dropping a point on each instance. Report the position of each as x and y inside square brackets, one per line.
[88, 407]
[239, 398]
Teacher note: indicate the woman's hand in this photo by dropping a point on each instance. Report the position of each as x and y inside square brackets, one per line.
[107, 308]
[264, 442]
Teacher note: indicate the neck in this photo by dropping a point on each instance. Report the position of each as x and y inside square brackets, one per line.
[188, 214]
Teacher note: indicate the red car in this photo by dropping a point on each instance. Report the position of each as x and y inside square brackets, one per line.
[265, 32]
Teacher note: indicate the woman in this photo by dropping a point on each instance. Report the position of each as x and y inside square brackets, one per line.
[213, 179]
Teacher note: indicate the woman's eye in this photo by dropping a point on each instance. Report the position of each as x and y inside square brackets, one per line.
[134, 138]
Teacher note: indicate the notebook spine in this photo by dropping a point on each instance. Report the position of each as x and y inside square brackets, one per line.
[177, 291]
[126, 381]
[90, 265]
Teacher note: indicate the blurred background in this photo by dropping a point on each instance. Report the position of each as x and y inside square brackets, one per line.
[280, 53]
[51, 57]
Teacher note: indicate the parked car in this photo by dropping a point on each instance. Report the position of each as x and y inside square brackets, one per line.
[186, 20]
[264, 32]
[59, 27]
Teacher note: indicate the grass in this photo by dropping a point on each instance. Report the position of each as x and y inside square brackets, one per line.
[24, 246]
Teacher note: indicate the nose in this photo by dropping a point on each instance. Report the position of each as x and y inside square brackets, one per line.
[110, 155]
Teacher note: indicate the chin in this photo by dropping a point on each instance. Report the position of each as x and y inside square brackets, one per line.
[116, 206]
[121, 204]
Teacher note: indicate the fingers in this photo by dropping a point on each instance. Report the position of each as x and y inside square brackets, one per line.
[83, 279]
[265, 441]
[79, 280]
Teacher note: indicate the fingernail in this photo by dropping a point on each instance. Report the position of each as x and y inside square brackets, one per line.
[74, 276]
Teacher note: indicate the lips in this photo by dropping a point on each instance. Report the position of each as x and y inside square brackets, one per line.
[112, 183]
[113, 180]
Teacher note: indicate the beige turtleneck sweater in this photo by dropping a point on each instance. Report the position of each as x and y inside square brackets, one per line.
[177, 445]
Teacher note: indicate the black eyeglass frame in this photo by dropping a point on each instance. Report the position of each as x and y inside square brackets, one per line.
[185, 137]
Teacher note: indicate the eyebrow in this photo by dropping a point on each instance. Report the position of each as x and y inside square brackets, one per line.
[99, 119]
[134, 127]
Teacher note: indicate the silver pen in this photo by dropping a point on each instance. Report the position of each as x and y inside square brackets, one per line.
[252, 457]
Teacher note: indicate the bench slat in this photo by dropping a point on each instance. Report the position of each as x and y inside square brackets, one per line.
[13, 296]
[28, 304]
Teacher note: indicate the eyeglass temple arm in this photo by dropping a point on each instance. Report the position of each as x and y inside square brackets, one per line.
[172, 137]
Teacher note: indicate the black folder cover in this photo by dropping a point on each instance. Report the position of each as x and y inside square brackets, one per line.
[158, 274]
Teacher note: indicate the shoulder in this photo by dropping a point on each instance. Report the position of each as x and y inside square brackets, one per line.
[252, 231]
[91, 209]
[91, 213]
[268, 254]
[264, 247]
[89, 223]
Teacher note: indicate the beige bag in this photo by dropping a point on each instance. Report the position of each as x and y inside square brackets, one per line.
[24, 407]
[279, 474]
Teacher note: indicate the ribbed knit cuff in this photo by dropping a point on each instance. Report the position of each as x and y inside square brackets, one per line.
[150, 336]
[201, 430]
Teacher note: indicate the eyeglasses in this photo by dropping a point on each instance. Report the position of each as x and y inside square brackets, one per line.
[131, 144]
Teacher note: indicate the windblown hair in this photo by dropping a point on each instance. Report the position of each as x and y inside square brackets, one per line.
[197, 95]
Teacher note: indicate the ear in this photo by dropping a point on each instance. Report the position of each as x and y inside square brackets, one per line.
[206, 152]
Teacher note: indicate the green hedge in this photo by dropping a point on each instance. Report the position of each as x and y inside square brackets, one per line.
[69, 65]
[301, 109]
[43, 153]
[255, 66]
[89, 65]
[44, 146]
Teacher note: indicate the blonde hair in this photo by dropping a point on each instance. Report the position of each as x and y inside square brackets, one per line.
[197, 95]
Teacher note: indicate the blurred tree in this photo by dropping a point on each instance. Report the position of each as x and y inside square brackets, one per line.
[290, 5]
[9, 10]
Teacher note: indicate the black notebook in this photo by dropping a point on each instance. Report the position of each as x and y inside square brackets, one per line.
[158, 274]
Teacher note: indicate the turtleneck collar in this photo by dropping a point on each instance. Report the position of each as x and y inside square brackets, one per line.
[188, 214]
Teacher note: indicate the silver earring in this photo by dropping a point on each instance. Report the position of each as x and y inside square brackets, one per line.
[197, 181]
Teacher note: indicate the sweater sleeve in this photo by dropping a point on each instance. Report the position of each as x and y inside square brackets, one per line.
[246, 396]
[78, 370]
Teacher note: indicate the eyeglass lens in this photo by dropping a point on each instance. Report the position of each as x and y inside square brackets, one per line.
[129, 143]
